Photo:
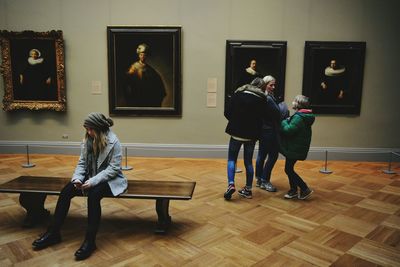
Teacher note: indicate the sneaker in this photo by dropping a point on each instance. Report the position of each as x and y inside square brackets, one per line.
[229, 191]
[305, 194]
[244, 192]
[269, 187]
[258, 182]
[291, 194]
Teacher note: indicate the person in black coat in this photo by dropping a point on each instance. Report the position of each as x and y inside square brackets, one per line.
[244, 112]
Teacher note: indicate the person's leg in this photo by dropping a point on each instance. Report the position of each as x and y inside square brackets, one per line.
[233, 152]
[63, 204]
[52, 236]
[95, 195]
[248, 163]
[262, 153]
[296, 181]
[289, 170]
[272, 150]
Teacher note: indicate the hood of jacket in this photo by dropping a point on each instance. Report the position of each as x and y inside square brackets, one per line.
[251, 89]
[307, 116]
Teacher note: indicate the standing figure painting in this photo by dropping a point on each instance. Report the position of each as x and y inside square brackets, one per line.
[35, 79]
[145, 87]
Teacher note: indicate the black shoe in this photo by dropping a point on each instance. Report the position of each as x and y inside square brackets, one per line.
[32, 220]
[85, 250]
[47, 239]
[291, 194]
[306, 193]
[229, 191]
[244, 192]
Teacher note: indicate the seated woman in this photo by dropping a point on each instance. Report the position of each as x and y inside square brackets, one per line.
[97, 174]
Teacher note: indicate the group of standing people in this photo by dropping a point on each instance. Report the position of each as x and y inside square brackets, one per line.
[254, 114]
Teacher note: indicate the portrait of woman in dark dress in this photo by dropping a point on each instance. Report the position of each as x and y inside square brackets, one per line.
[35, 79]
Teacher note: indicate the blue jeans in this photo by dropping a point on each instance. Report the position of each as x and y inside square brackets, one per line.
[233, 152]
[267, 146]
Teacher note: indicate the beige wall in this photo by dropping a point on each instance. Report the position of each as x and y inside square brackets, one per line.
[206, 25]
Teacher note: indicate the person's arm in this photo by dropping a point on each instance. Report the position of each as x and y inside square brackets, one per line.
[273, 110]
[292, 125]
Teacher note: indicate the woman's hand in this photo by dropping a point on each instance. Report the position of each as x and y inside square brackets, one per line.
[77, 184]
[86, 185]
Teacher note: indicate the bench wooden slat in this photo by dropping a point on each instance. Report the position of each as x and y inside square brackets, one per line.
[136, 189]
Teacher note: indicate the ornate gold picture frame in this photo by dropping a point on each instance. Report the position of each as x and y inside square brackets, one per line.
[33, 70]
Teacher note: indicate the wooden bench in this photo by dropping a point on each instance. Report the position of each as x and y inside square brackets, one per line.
[161, 191]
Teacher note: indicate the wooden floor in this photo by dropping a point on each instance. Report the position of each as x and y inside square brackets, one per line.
[352, 219]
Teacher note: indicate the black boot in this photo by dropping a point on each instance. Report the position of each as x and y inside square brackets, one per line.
[47, 239]
[86, 249]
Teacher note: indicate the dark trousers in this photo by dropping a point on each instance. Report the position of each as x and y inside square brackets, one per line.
[294, 179]
[94, 196]
[267, 146]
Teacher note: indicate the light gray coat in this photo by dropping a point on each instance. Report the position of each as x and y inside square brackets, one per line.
[108, 166]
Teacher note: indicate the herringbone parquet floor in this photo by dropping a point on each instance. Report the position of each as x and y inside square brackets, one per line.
[352, 219]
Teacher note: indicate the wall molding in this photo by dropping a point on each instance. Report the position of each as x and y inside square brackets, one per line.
[194, 150]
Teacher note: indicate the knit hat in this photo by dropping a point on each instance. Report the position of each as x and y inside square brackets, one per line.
[98, 121]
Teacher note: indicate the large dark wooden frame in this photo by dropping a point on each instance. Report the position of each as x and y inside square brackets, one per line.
[15, 47]
[351, 56]
[165, 57]
[270, 57]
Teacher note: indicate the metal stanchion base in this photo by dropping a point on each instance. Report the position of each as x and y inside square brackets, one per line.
[28, 165]
[325, 171]
[126, 168]
[238, 170]
[389, 172]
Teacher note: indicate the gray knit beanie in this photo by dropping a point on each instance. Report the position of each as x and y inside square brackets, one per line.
[98, 121]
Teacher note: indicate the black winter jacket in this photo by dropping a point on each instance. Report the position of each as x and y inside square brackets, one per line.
[245, 112]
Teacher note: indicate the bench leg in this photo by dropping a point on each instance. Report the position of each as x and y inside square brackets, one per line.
[164, 220]
[34, 205]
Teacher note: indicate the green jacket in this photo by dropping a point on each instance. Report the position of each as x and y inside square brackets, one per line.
[296, 134]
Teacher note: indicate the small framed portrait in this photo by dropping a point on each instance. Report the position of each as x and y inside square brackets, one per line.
[333, 76]
[144, 69]
[33, 70]
[246, 60]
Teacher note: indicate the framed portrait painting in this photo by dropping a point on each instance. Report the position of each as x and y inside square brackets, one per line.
[246, 60]
[144, 67]
[333, 76]
[33, 70]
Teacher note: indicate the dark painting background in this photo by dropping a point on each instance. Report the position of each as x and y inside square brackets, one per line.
[19, 49]
[160, 58]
